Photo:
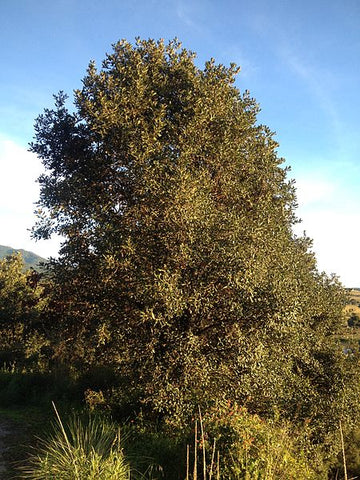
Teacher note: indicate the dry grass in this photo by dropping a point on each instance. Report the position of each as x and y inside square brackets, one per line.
[349, 309]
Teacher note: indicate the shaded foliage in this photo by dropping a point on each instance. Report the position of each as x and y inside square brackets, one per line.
[354, 320]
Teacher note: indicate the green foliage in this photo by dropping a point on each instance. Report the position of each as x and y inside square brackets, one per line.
[22, 301]
[352, 453]
[179, 269]
[21, 388]
[251, 448]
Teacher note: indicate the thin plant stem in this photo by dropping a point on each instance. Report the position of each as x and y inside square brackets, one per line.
[212, 460]
[195, 449]
[203, 444]
[187, 461]
[343, 451]
[66, 439]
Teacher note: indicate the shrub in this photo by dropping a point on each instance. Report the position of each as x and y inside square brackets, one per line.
[354, 320]
[253, 449]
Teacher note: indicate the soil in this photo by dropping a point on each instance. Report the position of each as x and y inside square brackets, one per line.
[5, 432]
[13, 439]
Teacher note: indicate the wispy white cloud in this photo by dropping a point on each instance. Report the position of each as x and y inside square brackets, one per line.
[318, 82]
[335, 237]
[330, 217]
[18, 194]
[185, 12]
[237, 54]
[312, 190]
[19, 171]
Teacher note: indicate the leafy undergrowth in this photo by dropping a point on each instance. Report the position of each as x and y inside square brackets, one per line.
[251, 448]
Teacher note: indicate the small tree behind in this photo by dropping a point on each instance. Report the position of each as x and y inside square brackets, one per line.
[22, 301]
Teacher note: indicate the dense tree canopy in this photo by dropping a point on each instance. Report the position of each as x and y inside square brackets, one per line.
[179, 267]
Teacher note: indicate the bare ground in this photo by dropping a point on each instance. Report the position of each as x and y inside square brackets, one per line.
[5, 432]
[13, 446]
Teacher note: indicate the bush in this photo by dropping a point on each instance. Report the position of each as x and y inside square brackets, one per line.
[238, 446]
[19, 388]
[354, 320]
[251, 448]
[352, 454]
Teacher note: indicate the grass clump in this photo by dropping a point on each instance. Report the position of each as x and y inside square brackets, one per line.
[80, 450]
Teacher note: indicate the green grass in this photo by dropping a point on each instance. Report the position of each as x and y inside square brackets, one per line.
[25, 405]
[79, 451]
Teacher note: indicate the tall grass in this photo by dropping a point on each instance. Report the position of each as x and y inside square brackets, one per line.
[81, 450]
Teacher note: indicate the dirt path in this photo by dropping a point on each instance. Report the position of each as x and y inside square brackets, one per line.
[18, 432]
[5, 431]
[13, 438]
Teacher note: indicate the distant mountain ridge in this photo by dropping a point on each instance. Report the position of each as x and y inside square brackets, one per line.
[31, 260]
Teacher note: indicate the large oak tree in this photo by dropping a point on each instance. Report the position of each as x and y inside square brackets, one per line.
[179, 266]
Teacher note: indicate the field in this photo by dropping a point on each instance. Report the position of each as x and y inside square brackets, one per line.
[352, 309]
[353, 305]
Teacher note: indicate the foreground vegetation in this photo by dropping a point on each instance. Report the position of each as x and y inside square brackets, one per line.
[236, 442]
[227, 443]
[94, 449]
[180, 290]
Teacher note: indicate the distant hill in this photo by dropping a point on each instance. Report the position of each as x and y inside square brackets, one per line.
[30, 258]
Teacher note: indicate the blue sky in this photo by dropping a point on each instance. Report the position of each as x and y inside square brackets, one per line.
[300, 59]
